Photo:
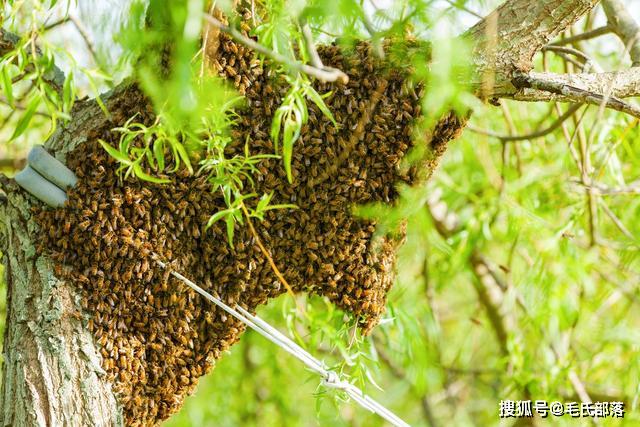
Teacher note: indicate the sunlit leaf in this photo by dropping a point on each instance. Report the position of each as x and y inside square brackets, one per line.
[25, 119]
[7, 85]
[140, 173]
[122, 158]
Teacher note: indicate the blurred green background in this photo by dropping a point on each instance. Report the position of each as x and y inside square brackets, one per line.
[518, 279]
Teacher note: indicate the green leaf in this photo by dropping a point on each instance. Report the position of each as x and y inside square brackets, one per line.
[275, 127]
[281, 206]
[24, 121]
[7, 85]
[291, 133]
[264, 202]
[302, 110]
[184, 156]
[146, 177]
[68, 92]
[217, 216]
[230, 225]
[317, 99]
[158, 152]
[121, 157]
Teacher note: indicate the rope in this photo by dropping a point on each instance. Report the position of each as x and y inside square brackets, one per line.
[329, 378]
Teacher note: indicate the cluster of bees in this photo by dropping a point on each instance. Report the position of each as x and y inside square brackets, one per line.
[155, 335]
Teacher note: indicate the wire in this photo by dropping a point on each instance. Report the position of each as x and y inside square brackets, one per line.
[329, 378]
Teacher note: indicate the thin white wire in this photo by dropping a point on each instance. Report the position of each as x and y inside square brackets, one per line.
[329, 378]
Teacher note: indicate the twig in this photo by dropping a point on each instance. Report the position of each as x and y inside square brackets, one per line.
[625, 27]
[585, 176]
[478, 259]
[565, 130]
[484, 282]
[633, 188]
[506, 113]
[534, 135]
[311, 46]
[21, 107]
[85, 36]
[325, 74]
[56, 24]
[464, 9]
[616, 220]
[584, 36]
[588, 62]
[576, 94]
[266, 254]
[573, 61]
[375, 38]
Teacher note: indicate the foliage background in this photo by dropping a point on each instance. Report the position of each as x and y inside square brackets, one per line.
[559, 266]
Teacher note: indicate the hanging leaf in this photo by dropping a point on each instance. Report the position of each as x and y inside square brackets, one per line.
[24, 121]
[122, 158]
[158, 152]
[7, 84]
[140, 173]
[230, 228]
[182, 152]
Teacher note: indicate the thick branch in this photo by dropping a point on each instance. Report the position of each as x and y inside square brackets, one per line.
[8, 42]
[625, 27]
[620, 84]
[506, 41]
[575, 94]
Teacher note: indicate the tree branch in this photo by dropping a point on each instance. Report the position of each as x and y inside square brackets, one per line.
[601, 31]
[619, 84]
[505, 42]
[572, 93]
[325, 74]
[8, 41]
[625, 27]
[538, 134]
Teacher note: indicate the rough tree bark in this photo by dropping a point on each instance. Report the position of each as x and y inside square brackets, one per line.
[52, 373]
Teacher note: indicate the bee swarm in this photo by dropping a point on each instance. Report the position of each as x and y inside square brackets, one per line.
[156, 336]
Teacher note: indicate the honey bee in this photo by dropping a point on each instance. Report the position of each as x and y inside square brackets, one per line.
[164, 336]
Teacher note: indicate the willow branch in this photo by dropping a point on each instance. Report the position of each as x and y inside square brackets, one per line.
[326, 74]
[588, 63]
[625, 27]
[9, 41]
[534, 135]
[574, 93]
[84, 33]
[311, 46]
[506, 41]
[601, 31]
[588, 88]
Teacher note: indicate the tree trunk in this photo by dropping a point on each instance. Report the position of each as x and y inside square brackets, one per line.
[52, 366]
[52, 374]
